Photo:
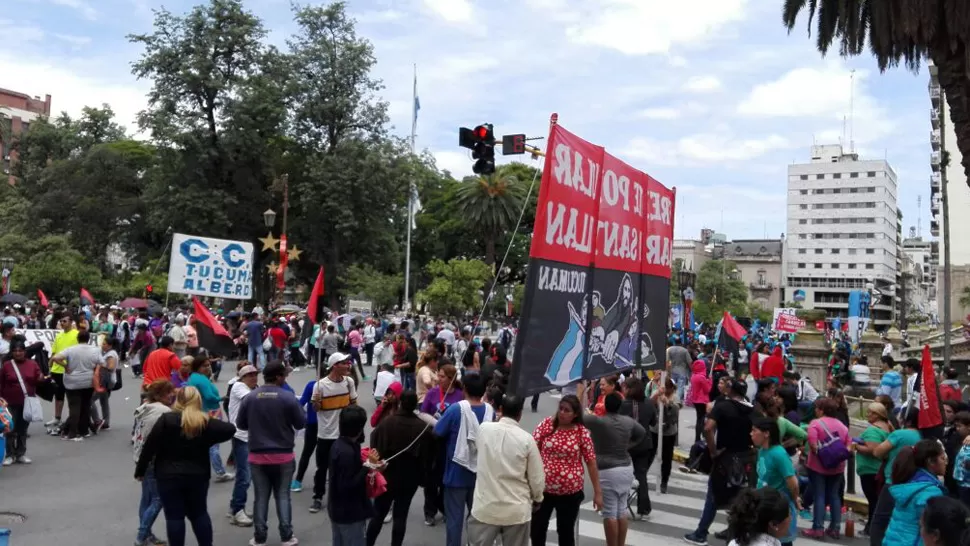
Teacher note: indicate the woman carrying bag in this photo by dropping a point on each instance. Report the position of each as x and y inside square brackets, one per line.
[19, 378]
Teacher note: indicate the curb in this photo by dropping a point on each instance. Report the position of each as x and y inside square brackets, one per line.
[857, 504]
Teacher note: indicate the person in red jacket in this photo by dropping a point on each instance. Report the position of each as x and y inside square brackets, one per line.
[757, 360]
[950, 387]
[773, 367]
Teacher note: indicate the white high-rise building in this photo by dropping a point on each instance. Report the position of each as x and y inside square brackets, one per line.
[943, 142]
[842, 232]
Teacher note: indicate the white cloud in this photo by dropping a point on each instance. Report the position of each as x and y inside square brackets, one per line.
[643, 27]
[702, 84]
[715, 147]
[453, 11]
[459, 164]
[72, 90]
[659, 113]
[76, 41]
[20, 33]
[86, 9]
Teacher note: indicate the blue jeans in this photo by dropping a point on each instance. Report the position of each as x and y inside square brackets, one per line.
[216, 459]
[149, 507]
[240, 452]
[828, 491]
[710, 510]
[257, 357]
[681, 382]
[407, 380]
[349, 534]
[457, 499]
[272, 479]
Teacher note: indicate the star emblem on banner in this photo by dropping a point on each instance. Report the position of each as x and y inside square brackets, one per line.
[272, 268]
[269, 242]
[294, 253]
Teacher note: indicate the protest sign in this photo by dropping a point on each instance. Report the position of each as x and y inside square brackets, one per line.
[204, 266]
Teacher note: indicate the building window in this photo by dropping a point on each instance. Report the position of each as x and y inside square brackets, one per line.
[836, 250]
[819, 177]
[818, 266]
[870, 266]
[803, 192]
[802, 236]
[803, 207]
[853, 190]
[835, 266]
[837, 176]
[801, 266]
[853, 251]
[818, 250]
[762, 277]
[801, 251]
[804, 177]
[853, 175]
[803, 221]
[871, 189]
[871, 174]
[870, 251]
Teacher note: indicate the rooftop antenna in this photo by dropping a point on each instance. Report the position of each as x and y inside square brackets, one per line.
[843, 140]
[851, 109]
[919, 216]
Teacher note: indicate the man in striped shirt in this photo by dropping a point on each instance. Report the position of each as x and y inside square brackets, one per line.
[333, 393]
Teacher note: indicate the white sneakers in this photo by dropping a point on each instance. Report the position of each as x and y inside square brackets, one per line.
[292, 542]
[240, 519]
[227, 477]
[7, 461]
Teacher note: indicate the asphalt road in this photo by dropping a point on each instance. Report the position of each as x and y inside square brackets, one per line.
[83, 494]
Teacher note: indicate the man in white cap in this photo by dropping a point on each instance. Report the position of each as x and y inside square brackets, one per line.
[248, 378]
[331, 394]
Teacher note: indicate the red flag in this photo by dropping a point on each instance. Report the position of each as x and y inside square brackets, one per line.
[732, 328]
[284, 258]
[929, 400]
[212, 336]
[43, 298]
[86, 297]
[313, 307]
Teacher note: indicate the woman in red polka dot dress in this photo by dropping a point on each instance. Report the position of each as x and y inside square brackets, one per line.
[565, 445]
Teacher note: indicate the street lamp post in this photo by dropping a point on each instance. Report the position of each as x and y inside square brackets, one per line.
[6, 269]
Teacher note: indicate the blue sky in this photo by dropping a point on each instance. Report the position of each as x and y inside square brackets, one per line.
[711, 96]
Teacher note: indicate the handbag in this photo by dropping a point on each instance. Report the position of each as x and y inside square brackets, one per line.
[267, 344]
[831, 451]
[376, 483]
[33, 410]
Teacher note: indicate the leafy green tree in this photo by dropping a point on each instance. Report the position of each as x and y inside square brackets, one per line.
[675, 268]
[491, 205]
[54, 266]
[456, 286]
[382, 289]
[717, 290]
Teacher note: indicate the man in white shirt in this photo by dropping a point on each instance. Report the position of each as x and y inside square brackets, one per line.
[370, 337]
[248, 377]
[448, 336]
[514, 479]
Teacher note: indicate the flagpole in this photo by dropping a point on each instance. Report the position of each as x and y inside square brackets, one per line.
[407, 253]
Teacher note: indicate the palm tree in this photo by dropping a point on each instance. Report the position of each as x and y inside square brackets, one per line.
[907, 32]
[901, 31]
[491, 205]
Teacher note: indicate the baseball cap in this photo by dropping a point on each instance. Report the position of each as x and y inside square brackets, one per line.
[337, 358]
[246, 370]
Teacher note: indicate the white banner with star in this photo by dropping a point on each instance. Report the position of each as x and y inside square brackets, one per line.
[203, 266]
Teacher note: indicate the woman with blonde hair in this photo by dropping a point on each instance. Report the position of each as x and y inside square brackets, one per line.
[178, 448]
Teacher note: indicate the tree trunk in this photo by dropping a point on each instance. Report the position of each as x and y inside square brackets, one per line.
[490, 251]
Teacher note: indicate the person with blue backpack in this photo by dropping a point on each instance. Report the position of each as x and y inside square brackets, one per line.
[915, 482]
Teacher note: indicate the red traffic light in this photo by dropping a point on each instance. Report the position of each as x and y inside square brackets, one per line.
[481, 132]
[148, 288]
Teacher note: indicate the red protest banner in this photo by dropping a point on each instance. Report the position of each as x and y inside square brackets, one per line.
[789, 323]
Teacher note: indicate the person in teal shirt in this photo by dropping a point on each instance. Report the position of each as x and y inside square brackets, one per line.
[866, 464]
[914, 483]
[895, 443]
[775, 469]
[201, 370]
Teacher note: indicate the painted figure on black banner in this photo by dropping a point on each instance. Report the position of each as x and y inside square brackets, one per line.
[617, 323]
[566, 365]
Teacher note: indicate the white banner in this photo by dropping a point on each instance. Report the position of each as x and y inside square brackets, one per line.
[203, 266]
[47, 337]
[362, 307]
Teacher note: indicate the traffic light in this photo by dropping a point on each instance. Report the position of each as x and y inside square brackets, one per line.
[481, 141]
[148, 289]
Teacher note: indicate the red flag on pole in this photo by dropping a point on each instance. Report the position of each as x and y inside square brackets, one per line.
[213, 337]
[929, 400]
[86, 297]
[43, 298]
[732, 327]
[313, 307]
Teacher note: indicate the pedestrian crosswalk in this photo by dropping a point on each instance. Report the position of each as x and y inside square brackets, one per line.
[674, 514]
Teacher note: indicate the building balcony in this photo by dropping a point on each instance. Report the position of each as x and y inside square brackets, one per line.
[935, 158]
[935, 139]
[766, 286]
[935, 228]
[935, 180]
[935, 117]
[935, 94]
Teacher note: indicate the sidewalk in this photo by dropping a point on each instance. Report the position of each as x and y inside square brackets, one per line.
[688, 418]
